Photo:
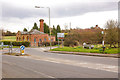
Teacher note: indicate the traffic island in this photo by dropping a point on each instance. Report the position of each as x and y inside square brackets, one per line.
[16, 54]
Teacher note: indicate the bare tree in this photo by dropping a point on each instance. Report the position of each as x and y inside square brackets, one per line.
[111, 36]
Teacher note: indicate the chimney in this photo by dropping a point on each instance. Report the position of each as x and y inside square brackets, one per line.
[96, 25]
[41, 25]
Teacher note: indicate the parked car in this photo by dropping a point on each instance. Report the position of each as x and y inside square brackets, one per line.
[88, 45]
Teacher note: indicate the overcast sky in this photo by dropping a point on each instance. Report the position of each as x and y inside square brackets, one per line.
[17, 14]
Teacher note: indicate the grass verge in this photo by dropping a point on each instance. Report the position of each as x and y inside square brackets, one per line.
[9, 38]
[81, 49]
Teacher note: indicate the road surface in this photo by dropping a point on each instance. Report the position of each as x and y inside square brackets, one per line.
[52, 65]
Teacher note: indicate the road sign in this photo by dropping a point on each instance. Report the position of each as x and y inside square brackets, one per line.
[22, 51]
[60, 35]
[22, 47]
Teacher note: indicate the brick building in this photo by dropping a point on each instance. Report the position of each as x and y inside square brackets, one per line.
[35, 37]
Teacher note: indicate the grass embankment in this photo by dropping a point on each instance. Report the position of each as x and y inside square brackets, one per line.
[81, 49]
[9, 38]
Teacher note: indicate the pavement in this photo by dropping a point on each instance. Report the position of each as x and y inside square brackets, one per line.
[87, 54]
[50, 65]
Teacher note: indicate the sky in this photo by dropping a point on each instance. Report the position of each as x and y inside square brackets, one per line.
[19, 14]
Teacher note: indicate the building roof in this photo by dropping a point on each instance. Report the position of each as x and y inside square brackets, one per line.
[33, 31]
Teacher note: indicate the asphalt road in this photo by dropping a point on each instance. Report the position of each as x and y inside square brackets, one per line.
[52, 65]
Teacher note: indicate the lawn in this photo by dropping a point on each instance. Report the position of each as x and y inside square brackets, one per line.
[8, 47]
[9, 38]
[81, 49]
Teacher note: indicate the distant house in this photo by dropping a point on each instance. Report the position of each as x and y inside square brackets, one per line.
[94, 29]
[35, 37]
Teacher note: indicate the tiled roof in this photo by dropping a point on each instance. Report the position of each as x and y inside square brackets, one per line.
[33, 31]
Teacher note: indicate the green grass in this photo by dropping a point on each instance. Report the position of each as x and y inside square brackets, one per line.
[81, 49]
[9, 38]
[8, 47]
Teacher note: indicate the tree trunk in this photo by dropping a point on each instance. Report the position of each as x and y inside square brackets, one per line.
[114, 45]
[110, 45]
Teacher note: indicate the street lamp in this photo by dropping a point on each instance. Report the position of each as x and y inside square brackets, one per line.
[103, 38]
[103, 41]
[49, 20]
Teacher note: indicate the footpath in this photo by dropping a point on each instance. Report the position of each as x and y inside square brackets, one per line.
[87, 54]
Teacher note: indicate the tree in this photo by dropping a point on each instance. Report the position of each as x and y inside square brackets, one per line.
[46, 28]
[72, 39]
[92, 27]
[58, 29]
[25, 30]
[53, 30]
[111, 34]
[8, 33]
[35, 26]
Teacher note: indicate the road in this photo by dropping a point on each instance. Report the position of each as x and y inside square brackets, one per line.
[52, 65]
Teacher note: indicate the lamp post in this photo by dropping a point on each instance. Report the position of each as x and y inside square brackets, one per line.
[49, 20]
[103, 41]
[103, 38]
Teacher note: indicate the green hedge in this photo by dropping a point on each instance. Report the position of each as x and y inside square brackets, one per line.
[15, 43]
[52, 43]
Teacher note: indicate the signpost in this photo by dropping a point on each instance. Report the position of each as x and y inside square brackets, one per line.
[60, 36]
[22, 48]
[10, 47]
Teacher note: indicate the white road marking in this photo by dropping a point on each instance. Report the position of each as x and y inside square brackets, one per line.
[13, 64]
[90, 65]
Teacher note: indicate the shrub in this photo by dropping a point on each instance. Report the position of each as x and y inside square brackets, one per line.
[71, 43]
[52, 43]
[6, 42]
[15, 43]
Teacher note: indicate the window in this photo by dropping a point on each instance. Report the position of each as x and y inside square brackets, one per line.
[34, 40]
[23, 38]
[17, 38]
[27, 38]
[44, 39]
[51, 40]
[40, 40]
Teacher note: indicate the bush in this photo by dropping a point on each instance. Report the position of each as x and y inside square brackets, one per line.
[6, 42]
[15, 43]
[52, 43]
[72, 40]
[71, 43]
[46, 43]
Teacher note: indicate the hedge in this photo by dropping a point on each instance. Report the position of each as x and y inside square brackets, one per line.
[52, 43]
[15, 43]
[26, 44]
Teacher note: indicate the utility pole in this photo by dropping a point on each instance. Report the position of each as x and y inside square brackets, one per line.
[49, 21]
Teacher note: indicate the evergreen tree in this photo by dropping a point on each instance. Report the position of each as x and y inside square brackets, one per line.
[46, 28]
[58, 29]
[25, 30]
[53, 30]
[35, 26]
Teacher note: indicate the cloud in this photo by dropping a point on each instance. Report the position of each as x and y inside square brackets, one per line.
[57, 11]
[17, 15]
[82, 8]
[20, 12]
